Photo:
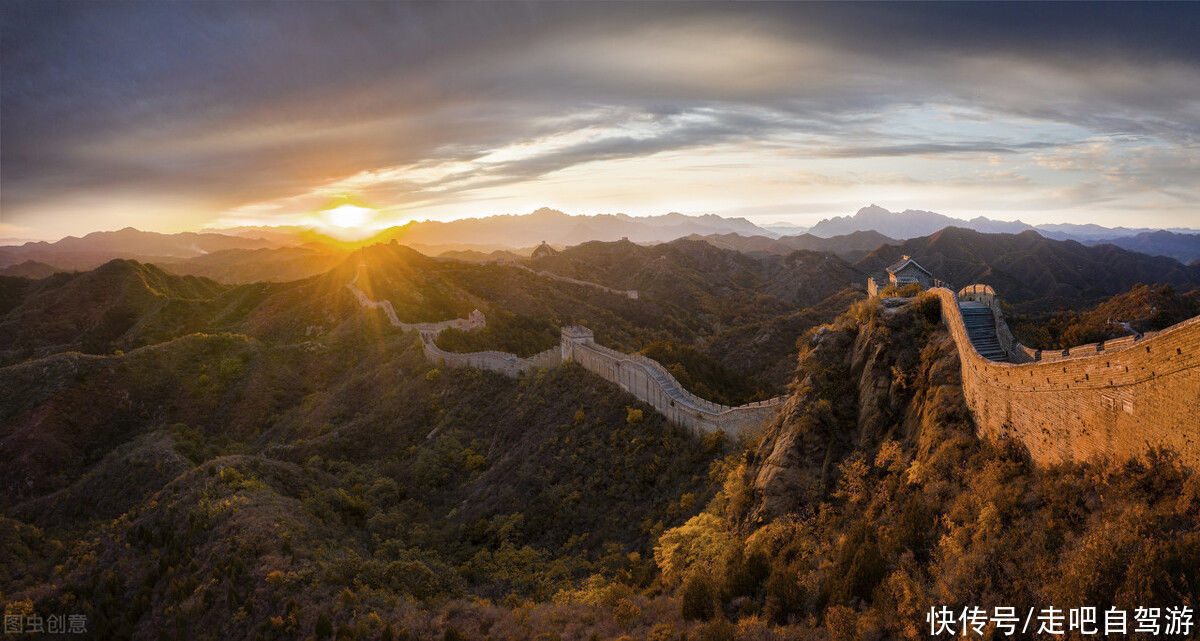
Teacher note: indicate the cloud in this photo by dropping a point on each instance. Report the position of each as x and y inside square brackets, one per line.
[218, 107]
[933, 148]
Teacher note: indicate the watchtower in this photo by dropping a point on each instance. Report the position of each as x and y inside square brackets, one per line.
[908, 271]
[573, 335]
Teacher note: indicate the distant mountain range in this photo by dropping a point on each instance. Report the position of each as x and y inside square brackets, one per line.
[850, 246]
[1030, 271]
[246, 254]
[913, 223]
[557, 228]
[430, 237]
[72, 253]
[1184, 248]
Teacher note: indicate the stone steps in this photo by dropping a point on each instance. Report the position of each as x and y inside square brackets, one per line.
[981, 329]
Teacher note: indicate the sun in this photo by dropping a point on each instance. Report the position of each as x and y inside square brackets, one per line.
[348, 216]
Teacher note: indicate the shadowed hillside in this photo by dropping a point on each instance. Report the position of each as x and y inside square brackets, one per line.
[247, 470]
[703, 293]
[121, 304]
[694, 272]
[30, 269]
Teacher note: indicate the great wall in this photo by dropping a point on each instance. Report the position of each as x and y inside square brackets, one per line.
[643, 377]
[1115, 400]
[627, 293]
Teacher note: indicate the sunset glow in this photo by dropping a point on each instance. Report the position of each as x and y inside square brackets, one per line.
[784, 114]
[348, 216]
[667, 321]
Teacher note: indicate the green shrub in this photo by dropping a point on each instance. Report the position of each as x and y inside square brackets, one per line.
[698, 599]
[626, 612]
[784, 596]
[929, 307]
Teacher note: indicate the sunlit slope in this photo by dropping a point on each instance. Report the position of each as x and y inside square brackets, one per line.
[278, 265]
[692, 295]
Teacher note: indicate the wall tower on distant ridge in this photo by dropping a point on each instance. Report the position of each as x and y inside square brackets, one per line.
[543, 251]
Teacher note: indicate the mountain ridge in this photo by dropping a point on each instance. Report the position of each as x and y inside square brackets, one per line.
[850, 246]
[1033, 271]
[865, 230]
[914, 223]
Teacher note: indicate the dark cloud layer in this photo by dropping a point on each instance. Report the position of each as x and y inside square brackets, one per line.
[231, 103]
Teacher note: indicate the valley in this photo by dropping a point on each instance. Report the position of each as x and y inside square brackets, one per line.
[599, 321]
[405, 446]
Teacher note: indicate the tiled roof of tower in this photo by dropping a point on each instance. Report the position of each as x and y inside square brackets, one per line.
[905, 261]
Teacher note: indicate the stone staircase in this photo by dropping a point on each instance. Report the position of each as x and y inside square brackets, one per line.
[981, 328]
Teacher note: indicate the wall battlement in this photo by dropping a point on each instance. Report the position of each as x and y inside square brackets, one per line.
[648, 380]
[1115, 400]
[643, 377]
[502, 362]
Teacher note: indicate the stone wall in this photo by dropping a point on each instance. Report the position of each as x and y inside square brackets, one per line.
[1115, 400]
[643, 377]
[502, 362]
[1017, 353]
[650, 382]
[628, 293]
[475, 320]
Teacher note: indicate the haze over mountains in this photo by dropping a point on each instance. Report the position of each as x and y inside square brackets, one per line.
[431, 237]
[96, 248]
[246, 254]
[850, 246]
[557, 228]
[912, 223]
[273, 447]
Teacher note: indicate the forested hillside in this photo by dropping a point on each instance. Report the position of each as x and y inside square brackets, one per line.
[711, 294]
[272, 460]
[218, 483]
[1141, 309]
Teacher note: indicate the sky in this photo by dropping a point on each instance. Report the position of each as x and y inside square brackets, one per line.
[177, 116]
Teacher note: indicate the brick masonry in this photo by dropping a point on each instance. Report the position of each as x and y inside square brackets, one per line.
[648, 380]
[643, 377]
[1114, 401]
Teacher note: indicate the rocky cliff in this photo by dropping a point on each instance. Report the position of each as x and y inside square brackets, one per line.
[884, 371]
[870, 500]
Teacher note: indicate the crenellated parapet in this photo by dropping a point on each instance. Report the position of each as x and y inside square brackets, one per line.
[643, 377]
[491, 360]
[648, 380]
[1114, 400]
